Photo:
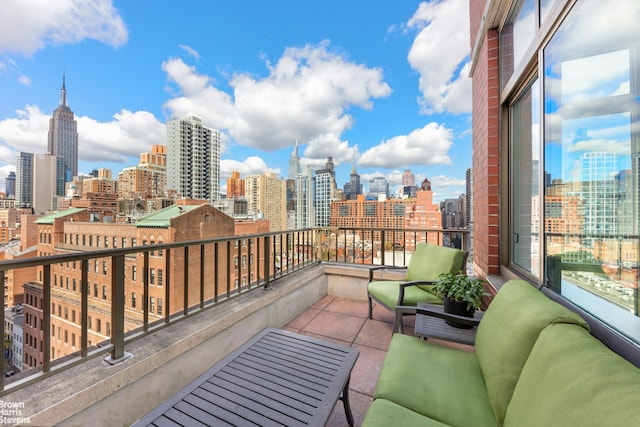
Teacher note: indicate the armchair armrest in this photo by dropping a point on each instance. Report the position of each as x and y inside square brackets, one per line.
[384, 267]
[406, 285]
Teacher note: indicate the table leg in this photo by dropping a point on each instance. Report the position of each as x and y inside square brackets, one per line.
[345, 403]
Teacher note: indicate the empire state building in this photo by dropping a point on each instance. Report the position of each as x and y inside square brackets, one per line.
[63, 135]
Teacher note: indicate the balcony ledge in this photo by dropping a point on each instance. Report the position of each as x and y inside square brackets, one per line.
[166, 360]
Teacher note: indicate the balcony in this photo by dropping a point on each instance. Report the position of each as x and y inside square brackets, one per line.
[318, 288]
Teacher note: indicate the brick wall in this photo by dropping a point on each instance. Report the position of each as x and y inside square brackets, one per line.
[486, 156]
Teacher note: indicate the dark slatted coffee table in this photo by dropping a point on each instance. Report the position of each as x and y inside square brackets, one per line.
[277, 378]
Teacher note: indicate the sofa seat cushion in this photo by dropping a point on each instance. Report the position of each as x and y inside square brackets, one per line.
[572, 379]
[508, 331]
[383, 413]
[439, 382]
[387, 292]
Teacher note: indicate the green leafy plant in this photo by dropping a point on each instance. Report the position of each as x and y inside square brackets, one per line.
[462, 288]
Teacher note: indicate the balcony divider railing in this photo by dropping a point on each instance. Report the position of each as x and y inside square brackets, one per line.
[197, 275]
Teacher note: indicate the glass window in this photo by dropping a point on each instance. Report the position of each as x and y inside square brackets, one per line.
[516, 36]
[133, 299]
[525, 176]
[592, 171]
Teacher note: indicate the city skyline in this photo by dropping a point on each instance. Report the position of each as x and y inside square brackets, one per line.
[388, 96]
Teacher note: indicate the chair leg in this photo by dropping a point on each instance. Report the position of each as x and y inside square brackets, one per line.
[370, 307]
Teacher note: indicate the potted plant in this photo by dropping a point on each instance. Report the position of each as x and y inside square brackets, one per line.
[461, 294]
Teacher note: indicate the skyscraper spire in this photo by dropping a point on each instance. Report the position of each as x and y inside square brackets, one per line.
[63, 92]
[294, 163]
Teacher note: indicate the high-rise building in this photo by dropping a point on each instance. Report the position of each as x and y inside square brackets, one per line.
[325, 193]
[305, 210]
[63, 135]
[294, 171]
[235, 186]
[193, 159]
[408, 178]
[469, 212]
[353, 187]
[10, 185]
[48, 182]
[24, 180]
[266, 197]
[294, 163]
[378, 186]
[148, 179]
[452, 212]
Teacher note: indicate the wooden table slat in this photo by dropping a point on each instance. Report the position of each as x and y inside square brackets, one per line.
[254, 406]
[282, 378]
[243, 380]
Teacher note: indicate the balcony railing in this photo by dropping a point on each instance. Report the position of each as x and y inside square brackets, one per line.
[196, 275]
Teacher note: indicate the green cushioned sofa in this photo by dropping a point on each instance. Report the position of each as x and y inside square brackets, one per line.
[535, 364]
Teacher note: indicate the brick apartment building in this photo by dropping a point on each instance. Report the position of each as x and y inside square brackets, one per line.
[81, 230]
[415, 213]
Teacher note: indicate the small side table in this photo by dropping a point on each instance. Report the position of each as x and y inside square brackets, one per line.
[435, 327]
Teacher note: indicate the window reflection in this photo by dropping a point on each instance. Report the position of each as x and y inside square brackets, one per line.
[516, 36]
[592, 148]
[525, 173]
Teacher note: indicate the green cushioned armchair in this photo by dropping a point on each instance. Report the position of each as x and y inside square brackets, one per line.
[426, 264]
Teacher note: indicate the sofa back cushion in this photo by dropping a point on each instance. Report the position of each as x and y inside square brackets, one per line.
[429, 261]
[508, 331]
[572, 379]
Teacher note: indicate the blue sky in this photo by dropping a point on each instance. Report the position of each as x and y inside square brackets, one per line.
[382, 82]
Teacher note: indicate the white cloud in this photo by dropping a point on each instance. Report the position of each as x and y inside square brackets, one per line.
[190, 51]
[251, 166]
[30, 25]
[128, 134]
[602, 146]
[24, 80]
[304, 97]
[26, 132]
[440, 54]
[426, 146]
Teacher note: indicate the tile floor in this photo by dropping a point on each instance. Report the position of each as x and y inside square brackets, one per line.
[345, 321]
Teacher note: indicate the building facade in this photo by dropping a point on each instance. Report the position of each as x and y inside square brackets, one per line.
[76, 230]
[147, 180]
[48, 182]
[235, 186]
[24, 180]
[305, 212]
[63, 135]
[325, 189]
[556, 175]
[193, 159]
[10, 185]
[266, 198]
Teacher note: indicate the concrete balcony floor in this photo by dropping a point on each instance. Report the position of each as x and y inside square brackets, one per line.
[346, 321]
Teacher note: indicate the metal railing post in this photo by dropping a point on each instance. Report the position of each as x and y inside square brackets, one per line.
[267, 262]
[46, 318]
[117, 308]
